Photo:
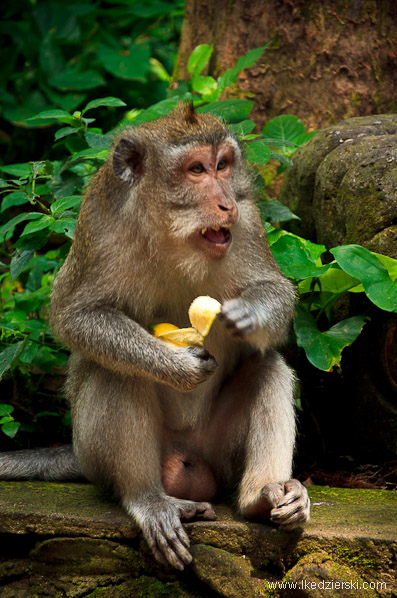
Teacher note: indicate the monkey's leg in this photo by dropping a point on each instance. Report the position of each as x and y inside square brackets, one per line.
[266, 487]
[258, 403]
[117, 426]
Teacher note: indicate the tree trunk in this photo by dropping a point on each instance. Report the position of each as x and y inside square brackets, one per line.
[328, 61]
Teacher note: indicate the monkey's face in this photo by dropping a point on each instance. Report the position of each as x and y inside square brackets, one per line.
[206, 174]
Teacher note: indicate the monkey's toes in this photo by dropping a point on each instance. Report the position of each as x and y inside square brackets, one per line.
[294, 508]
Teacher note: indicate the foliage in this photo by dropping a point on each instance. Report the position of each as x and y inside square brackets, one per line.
[62, 53]
[41, 202]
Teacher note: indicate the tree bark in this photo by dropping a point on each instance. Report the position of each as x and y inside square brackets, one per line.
[328, 61]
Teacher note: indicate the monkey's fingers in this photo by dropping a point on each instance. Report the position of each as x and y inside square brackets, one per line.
[238, 317]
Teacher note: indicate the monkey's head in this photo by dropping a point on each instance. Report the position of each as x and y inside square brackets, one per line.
[187, 175]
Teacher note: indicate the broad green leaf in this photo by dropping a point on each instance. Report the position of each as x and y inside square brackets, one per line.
[360, 263]
[295, 258]
[64, 226]
[285, 127]
[324, 349]
[19, 170]
[98, 140]
[231, 111]
[242, 129]
[249, 59]
[73, 78]
[131, 63]
[4, 184]
[9, 355]
[66, 203]
[257, 152]
[10, 429]
[91, 153]
[6, 409]
[389, 263]
[204, 85]
[156, 111]
[273, 210]
[199, 58]
[19, 261]
[50, 114]
[109, 101]
[16, 220]
[29, 353]
[230, 76]
[15, 198]
[43, 222]
[64, 132]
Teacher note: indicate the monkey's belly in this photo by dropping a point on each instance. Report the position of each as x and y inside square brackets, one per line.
[188, 476]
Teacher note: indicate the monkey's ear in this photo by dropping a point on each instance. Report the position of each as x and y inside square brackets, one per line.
[128, 160]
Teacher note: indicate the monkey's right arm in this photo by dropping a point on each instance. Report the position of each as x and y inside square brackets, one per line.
[107, 336]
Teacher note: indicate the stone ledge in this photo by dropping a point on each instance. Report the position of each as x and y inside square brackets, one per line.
[72, 540]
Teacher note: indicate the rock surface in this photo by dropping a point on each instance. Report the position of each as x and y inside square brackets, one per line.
[343, 185]
[71, 540]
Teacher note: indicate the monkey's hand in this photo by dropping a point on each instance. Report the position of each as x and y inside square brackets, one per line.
[160, 521]
[291, 506]
[239, 317]
[192, 366]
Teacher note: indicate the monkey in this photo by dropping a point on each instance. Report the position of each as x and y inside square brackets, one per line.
[171, 215]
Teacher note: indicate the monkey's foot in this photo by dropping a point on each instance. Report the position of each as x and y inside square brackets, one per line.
[287, 505]
[159, 517]
[294, 507]
[188, 509]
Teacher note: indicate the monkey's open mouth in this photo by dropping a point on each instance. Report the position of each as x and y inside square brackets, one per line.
[219, 235]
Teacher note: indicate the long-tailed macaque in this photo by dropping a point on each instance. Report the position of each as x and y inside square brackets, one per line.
[171, 216]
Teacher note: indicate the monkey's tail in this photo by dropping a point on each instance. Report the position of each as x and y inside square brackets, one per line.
[56, 464]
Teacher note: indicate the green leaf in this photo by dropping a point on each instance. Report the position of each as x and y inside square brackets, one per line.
[19, 170]
[360, 263]
[64, 132]
[43, 222]
[199, 58]
[109, 101]
[295, 258]
[285, 127]
[131, 63]
[9, 355]
[324, 349]
[231, 111]
[273, 210]
[242, 129]
[50, 114]
[204, 84]
[16, 220]
[249, 59]
[98, 140]
[19, 262]
[230, 76]
[10, 429]
[16, 198]
[64, 226]
[257, 152]
[66, 203]
[73, 78]
[6, 409]
[156, 111]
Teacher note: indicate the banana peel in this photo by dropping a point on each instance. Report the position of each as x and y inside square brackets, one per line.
[202, 313]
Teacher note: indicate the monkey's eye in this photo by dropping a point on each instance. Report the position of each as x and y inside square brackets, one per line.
[197, 168]
[222, 164]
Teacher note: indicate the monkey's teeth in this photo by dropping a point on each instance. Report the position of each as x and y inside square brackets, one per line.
[203, 231]
[216, 228]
